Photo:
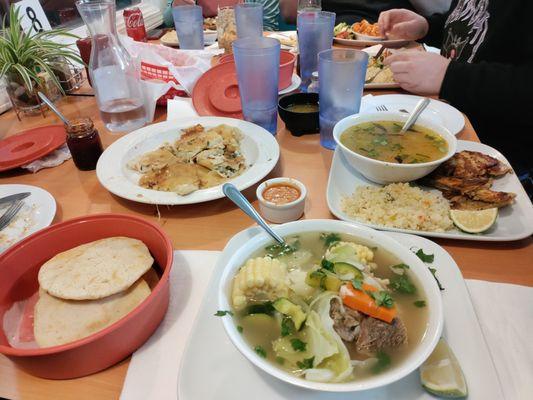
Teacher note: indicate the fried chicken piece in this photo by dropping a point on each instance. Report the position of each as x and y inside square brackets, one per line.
[466, 178]
[500, 169]
[446, 183]
[462, 202]
[472, 164]
[497, 199]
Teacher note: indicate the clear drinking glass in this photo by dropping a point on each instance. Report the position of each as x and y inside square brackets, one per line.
[249, 18]
[115, 80]
[309, 5]
[315, 34]
[189, 24]
[257, 63]
[342, 77]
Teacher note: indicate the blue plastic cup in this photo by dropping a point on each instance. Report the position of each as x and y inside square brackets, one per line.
[257, 63]
[342, 77]
[249, 19]
[315, 34]
[189, 24]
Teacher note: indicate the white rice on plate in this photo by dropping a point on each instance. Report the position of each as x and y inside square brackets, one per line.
[399, 205]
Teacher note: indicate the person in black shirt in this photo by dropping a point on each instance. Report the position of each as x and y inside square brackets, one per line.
[485, 68]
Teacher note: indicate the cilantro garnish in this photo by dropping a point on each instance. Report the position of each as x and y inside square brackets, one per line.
[298, 345]
[278, 250]
[382, 363]
[402, 284]
[260, 351]
[222, 313]
[420, 303]
[382, 298]
[427, 258]
[239, 328]
[306, 363]
[327, 265]
[434, 271]
[287, 326]
[357, 284]
[330, 238]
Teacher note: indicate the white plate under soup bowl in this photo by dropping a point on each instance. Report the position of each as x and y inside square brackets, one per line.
[363, 235]
[386, 172]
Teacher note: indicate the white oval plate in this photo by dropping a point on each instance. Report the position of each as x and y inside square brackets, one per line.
[260, 149]
[437, 111]
[363, 43]
[37, 213]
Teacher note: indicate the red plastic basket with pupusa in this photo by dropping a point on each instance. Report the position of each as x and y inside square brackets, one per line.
[152, 72]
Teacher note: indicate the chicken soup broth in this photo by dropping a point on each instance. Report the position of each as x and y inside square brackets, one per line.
[313, 324]
[382, 141]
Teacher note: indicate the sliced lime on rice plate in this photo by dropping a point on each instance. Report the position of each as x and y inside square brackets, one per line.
[474, 221]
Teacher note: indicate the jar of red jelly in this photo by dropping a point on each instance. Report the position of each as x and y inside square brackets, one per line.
[84, 143]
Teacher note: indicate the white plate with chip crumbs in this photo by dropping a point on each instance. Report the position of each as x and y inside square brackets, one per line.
[38, 212]
[514, 222]
[258, 147]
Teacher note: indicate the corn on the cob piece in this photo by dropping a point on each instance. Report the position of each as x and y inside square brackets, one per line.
[364, 254]
[261, 278]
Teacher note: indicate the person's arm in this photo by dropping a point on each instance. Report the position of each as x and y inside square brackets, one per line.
[288, 10]
[492, 90]
[430, 7]
[435, 33]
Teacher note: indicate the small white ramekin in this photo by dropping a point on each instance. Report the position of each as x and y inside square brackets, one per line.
[280, 213]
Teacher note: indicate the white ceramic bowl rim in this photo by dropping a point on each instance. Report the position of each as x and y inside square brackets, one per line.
[361, 118]
[425, 278]
[290, 181]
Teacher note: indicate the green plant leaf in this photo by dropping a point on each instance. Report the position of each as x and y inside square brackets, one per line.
[27, 54]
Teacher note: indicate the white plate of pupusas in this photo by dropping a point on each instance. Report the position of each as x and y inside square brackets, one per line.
[258, 147]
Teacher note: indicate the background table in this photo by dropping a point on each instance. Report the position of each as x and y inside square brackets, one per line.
[207, 226]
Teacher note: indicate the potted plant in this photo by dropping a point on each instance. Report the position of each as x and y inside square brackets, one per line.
[28, 61]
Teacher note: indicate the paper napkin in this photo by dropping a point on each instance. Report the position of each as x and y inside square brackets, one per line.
[153, 370]
[180, 107]
[505, 313]
[53, 159]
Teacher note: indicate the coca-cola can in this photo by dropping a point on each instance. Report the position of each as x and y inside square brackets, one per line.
[134, 21]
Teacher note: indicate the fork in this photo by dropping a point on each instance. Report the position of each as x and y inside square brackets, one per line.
[10, 214]
[381, 108]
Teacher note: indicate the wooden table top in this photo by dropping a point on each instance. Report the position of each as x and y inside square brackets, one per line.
[207, 226]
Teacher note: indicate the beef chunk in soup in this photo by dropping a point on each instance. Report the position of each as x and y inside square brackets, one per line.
[346, 323]
[376, 335]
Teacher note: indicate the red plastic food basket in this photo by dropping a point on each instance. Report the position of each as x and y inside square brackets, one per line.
[151, 72]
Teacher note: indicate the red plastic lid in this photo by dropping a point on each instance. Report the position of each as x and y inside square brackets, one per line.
[30, 145]
[216, 92]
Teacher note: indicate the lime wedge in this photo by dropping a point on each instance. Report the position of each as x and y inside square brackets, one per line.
[474, 221]
[441, 373]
